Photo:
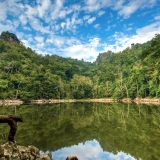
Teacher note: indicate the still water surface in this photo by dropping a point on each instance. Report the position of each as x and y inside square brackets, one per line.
[90, 131]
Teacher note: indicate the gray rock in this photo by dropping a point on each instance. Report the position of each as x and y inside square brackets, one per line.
[12, 151]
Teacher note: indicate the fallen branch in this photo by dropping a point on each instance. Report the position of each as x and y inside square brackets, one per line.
[12, 122]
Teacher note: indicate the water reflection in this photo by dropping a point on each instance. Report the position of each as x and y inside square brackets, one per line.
[90, 150]
[89, 129]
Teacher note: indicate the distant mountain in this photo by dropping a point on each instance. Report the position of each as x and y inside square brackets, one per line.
[10, 37]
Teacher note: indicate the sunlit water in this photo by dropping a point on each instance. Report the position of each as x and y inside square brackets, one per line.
[90, 131]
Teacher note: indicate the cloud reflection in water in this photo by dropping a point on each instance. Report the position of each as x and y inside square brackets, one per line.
[90, 150]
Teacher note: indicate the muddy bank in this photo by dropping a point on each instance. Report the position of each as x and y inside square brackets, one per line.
[128, 100]
[10, 102]
[102, 100]
[51, 101]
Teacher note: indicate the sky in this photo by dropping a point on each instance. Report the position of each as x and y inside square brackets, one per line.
[80, 29]
[90, 150]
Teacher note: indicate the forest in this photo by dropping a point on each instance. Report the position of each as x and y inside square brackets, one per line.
[27, 75]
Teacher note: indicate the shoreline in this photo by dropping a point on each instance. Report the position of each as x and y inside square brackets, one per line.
[97, 100]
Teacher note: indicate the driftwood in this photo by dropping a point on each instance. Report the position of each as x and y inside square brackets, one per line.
[12, 122]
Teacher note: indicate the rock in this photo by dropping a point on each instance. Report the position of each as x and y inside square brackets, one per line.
[12, 151]
[72, 158]
[46, 156]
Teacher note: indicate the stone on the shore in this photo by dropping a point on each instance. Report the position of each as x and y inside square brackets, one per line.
[12, 151]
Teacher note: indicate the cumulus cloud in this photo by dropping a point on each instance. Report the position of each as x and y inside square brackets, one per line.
[95, 5]
[96, 26]
[89, 150]
[39, 39]
[61, 27]
[43, 6]
[91, 20]
[36, 24]
[30, 11]
[100, 13]
[121, 41]
[157, 18]
[16, 23]
[3, 10]
[88, 50]
[56, 41]
[124, 8]
[23, 19]
[70, 24]
[56, 8]
[6, 26]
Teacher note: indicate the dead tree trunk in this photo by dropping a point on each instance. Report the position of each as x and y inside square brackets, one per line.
[12, 122]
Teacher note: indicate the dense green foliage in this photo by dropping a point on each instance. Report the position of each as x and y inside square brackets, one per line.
[131, 128]
[24, 74]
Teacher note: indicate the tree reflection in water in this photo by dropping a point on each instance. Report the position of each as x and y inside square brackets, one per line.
[126, 129]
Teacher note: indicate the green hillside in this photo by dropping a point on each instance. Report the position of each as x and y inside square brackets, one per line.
[25, 75]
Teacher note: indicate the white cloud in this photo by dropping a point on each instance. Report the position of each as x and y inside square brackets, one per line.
[54, 19]
[30, 11]
[157, 18]
[121, 155]
[56, 8]
[70, 24]
[95, 5]
[126, 9]
[129, 29]
[76, 7]
[88, 51]
[43, 6]
[3, 10]
[40, 47]
[38, 26]
[10, 7]
[89, 150]
[56, 41]
[148, 32]
[39, 39]
[63, 25]
[96, 26]
[16, 23]
[100, 13]
[64, 13]
[6, 27]
[19, 35]
[23, 19]
[86, 17]
[27, 28]
[91, 20]
[122, 41]
[123, 7]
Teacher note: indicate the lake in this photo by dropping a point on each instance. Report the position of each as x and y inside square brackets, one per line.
[90, 131]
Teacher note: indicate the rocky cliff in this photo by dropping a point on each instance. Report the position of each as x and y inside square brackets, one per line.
[12, 151]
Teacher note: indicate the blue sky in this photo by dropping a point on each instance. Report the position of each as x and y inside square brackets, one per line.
[90, 150]
[80, 29]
